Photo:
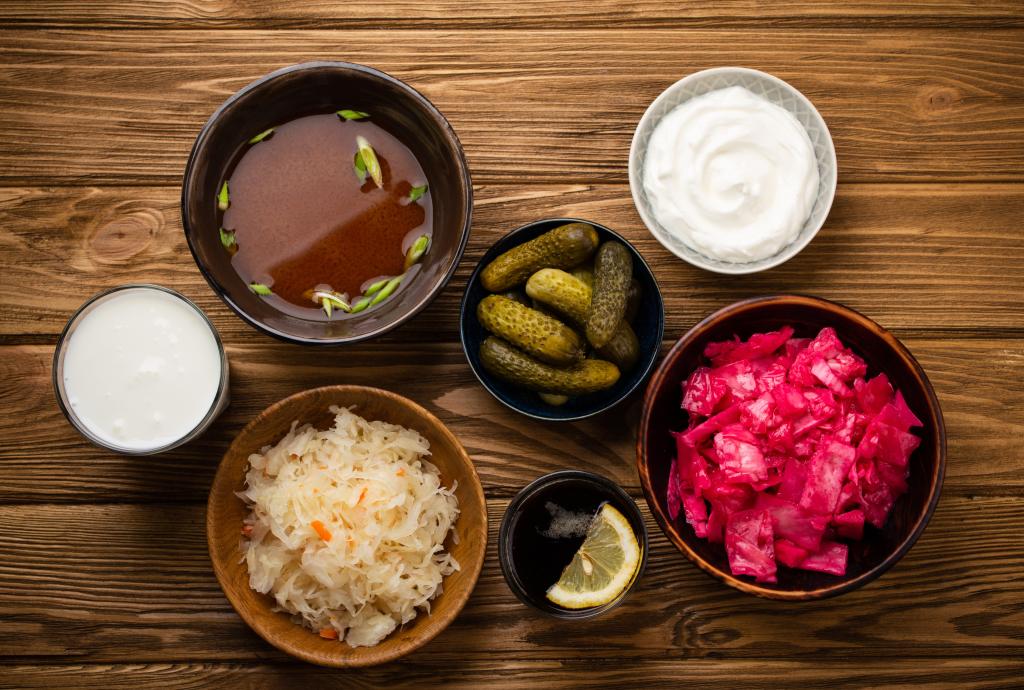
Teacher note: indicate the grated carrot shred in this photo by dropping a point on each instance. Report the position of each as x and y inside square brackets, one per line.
[362, 495]
[400, 472]
[329, 633]
[321, 530]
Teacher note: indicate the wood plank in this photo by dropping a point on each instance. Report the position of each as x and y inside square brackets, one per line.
[527, 675]
[124, 106]
[128, 583]
[495, 13]
[955, 254]
[44, 460]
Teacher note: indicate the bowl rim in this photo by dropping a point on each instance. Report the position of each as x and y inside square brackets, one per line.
[374, 73]
[223, 484]
[699, 260]
[667, 525]
[474, 278]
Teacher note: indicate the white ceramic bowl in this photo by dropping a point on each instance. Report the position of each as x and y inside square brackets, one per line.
[775, 91]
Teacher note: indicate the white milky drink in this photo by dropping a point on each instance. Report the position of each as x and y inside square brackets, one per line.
[141, 369]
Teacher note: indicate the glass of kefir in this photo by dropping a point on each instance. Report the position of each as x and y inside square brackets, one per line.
[139, 369]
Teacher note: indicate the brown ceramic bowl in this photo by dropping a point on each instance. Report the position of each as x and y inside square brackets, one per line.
[225, 512]
[322, 87]
[879, 549]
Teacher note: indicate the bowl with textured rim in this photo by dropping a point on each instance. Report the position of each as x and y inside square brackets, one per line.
[226, 511]
[881, 548]
[649, 325]
[316, 88]
[775, 91]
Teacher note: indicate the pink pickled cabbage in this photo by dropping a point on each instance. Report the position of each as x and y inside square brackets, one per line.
[789, 449]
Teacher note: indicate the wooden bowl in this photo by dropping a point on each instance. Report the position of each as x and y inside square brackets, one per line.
[322, 87]
[880, 548]
[225, 512]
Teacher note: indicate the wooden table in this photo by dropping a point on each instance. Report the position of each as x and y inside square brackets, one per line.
[104, 575]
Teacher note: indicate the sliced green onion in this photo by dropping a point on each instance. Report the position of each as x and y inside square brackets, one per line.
[352, 114]
[360, 304]
[330, 300]
[416, 192]
[260, 289]
[261, 136]
[375, 288]
[222, 197]
[387, 290]
[360, 167]
[227, 238]
[416, 251]
[370, 161]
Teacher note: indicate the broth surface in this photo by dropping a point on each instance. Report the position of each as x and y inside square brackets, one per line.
[303, 220]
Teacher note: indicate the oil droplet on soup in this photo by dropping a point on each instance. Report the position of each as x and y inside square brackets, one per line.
[303, 218]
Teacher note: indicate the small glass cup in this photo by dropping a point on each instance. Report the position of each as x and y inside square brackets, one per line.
[220, 400]
[531, 562]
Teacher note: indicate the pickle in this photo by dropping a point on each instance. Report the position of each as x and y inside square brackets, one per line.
[565, 246]
[632, 300]
[555, 399]
[507, 363]
[540, 335]
[623, 348]
[561, 291]
[613, 269]
[570, 297]
[584, 274]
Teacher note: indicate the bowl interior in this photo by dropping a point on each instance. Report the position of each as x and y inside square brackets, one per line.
[772, 89]
[319, 88]
[649, 325]
[880, 548]
[226, 511]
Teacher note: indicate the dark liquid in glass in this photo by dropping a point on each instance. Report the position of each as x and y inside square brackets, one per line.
[538, 556]
[303, 220]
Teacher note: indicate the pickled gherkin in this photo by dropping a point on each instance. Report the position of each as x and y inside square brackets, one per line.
[564, 247]
[512, 365]
[538, 334]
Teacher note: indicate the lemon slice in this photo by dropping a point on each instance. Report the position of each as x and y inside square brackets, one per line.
[603, 568]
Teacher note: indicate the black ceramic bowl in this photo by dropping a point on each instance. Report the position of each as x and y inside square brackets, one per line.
[322, 87]
[563, 488]
[649, 325]
[880, 548]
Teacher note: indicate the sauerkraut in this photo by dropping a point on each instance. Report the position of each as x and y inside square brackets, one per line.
[347, 527]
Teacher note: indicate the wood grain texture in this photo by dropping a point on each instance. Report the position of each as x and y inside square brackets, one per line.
[104, 576]
[588, 674]
[984, 427]
[123, 107]
[110, 583]
[915, 258]
[491, 14]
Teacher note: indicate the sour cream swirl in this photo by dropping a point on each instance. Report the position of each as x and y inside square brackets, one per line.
[731, 175]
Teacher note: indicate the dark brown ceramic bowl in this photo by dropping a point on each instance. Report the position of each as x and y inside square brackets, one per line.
[321, 87]
[225, 512]
[879, 549]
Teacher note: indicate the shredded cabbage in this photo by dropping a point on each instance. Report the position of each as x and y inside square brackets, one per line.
[347, 527]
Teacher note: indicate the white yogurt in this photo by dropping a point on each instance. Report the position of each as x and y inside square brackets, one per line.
[731, 175]
[141, 369]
